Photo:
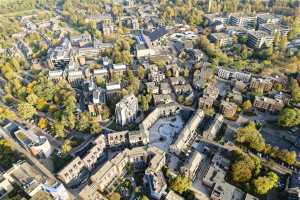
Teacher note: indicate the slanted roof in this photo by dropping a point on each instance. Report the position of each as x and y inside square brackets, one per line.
[158, 33]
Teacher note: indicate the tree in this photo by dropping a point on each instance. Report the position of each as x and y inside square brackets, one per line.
[83, 122]
[283, 43]
[58, 129]
[6, 113]
[32, 99]
[247, 106]
[141, 72]
[43, 123]
[241, 172]
[186, 72]
[145, 103]
[295, 90]
[115, 196]
[249, 135]
[289, 117]
[144, 197]
[180, 184]
[7, 156]
[264, 184]
[67, 146]
[26, 110]
[105, 113]
[95, 128]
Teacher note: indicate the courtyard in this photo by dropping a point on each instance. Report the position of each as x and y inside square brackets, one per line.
[164, 130]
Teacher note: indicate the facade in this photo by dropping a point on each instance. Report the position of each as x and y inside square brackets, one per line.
[228, 109]
[190, 168]
[126, 110]
[114, 169]
[75, 78]
[25, 176]
[173, 196]
[188, 133]
[60, 56]
[260, 83]
[87, 160]
[239, 19]
[272, 29]
[37, 145]
[213, 129]
[268, 104]
[259, 39]
[222, 39]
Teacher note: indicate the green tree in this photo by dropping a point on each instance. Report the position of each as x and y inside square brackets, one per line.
[83, 122]
[6, 113]
[66, 147]
[26, 110]
[180, 184]
[58, 129]
[283, 43]
[95, 128]
[249, 135]
[264, 184]
[141, 72]
[247, 106]
[7, 156]
[289, 117]
[295, 90]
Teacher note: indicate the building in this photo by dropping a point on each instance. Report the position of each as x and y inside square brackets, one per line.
[152, 88]
[266, 18]
[214, 127]
[261, 84]
[222, 39]
[268, 104]
[211, 91]
[239, 19]
[100, 73]
[118, 69]
[273, 29]
[81, 40]
[228, 109]
[85, 160]
[157, 35]
[60, 56]
[173, 196]
[114, 169]
[191, 166]
[224, 73]
[37, 145]
[90, 192]
[293, 190]
[56, 75]
[165, 88]
[241, 76]
[75, 78]
[156, 183]
[126, 110]
[188, 133]
[143, 47]
[162, 99]
[25, 176]
[259, 39]
[206, 102]
[155, 75]
[99, 96]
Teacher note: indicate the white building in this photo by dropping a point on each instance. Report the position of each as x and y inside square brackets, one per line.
[126, 110]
